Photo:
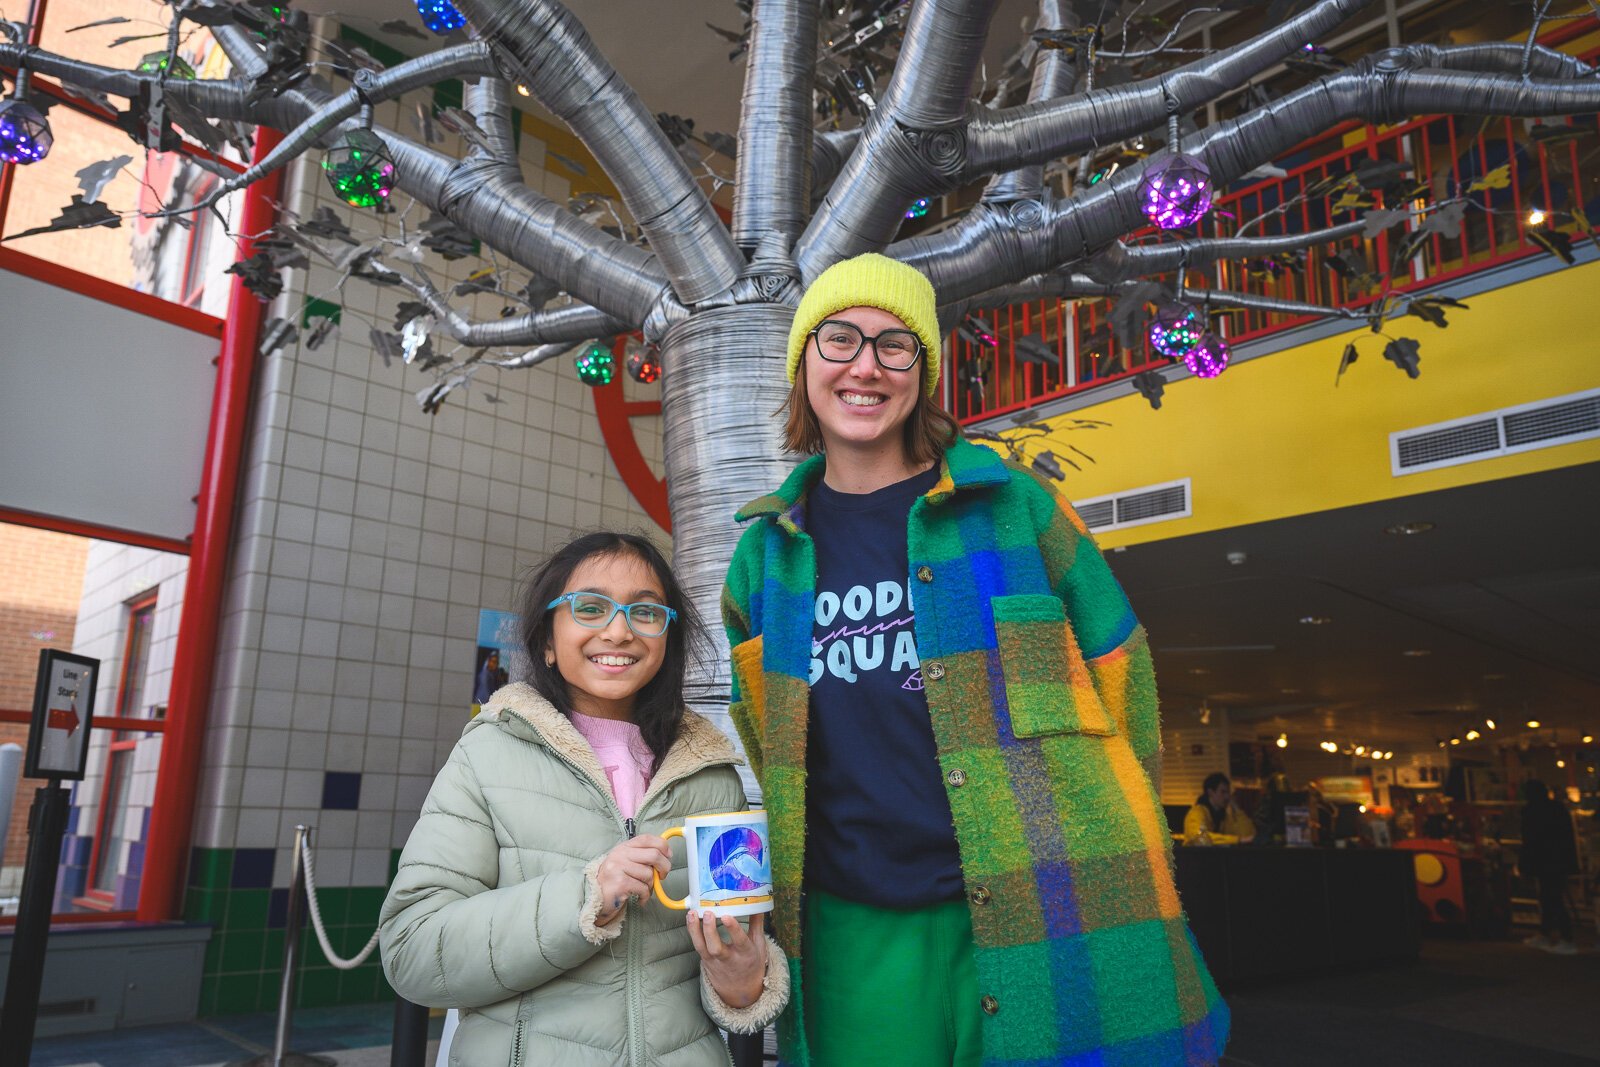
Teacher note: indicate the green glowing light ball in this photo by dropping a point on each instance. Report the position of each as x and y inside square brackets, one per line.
[595, 365]
[360, 170]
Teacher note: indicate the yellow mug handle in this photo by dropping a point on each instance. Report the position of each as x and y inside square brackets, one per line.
[680, 905]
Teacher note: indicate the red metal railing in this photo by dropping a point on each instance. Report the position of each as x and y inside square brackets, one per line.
[1499, 165]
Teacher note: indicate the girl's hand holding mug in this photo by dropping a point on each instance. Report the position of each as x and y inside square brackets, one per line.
[736, 966]
[628, 872]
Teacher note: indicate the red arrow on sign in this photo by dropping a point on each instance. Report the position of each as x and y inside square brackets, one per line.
[64, 720]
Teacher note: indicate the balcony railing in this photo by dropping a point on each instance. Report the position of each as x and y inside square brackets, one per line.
[1500, 169]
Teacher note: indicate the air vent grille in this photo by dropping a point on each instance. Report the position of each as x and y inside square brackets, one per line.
[1576, 418]
[1559, 420]
[1151, 503]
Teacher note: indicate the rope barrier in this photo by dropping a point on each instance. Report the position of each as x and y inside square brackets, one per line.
[316, 919]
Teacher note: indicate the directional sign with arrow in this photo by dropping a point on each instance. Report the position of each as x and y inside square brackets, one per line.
[63, 703]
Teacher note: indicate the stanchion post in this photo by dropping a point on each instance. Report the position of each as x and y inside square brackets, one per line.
[47, 820]
[410, 1047]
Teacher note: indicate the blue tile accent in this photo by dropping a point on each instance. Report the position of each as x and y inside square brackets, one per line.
[127, 892]
[341, 790]
[136, 859]
[278, 909]
[144, 825]
[252, 868]
[72, 819]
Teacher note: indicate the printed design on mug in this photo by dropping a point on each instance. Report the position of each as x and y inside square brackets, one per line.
[733, 863]
[865, 631]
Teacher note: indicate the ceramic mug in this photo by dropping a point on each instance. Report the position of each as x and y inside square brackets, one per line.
[730, 864]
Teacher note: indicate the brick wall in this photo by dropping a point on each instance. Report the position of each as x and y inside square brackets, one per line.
[43, 579]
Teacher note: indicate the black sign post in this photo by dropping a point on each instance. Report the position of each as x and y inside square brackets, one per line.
[58, 748]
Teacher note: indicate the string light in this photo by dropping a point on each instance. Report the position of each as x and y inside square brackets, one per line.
[1283, 741]
[595, 365]
[1533, 724]
[1536, 217]
[1175, 191]
[1489, 723]
[360, 170]
[440, 16]
[25, 135]
[1473, 735]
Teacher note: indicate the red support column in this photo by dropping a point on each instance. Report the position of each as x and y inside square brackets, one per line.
[172, 812]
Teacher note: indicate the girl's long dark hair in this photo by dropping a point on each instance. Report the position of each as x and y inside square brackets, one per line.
[658, 707]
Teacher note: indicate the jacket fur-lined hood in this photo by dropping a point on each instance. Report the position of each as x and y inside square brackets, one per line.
[520, 709]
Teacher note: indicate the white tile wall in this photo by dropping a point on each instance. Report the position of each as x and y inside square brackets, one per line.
[369, 538]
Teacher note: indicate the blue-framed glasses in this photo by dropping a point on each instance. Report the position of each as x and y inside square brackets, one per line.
[596, 610]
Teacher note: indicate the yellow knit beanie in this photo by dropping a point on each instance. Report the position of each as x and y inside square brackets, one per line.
[876, 281]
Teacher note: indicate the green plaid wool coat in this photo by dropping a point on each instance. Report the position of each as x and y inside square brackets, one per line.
[1042, 695]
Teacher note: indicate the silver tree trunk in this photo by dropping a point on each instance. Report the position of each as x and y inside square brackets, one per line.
[722, 384]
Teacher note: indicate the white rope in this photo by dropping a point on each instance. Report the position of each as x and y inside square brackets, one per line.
[316, 919]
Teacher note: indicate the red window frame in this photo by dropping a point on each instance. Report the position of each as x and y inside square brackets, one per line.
[122, 741]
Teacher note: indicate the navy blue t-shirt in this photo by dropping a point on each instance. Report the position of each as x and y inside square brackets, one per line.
[879, 829]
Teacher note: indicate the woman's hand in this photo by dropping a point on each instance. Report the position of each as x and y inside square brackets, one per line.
[735, 968]
[627, 873]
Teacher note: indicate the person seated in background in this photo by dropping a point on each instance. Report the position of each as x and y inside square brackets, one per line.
[1215, 819]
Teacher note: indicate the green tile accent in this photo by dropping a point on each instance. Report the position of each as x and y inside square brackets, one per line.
[394, 865]
[203, 905]
[238, 993]
[318, 986]
[213, 955]
[447, 93]
[317, 308]
[241, 950]
[247, 909]
[211, 868]
[272, 952]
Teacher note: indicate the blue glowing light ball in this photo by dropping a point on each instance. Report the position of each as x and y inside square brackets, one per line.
[25, 135]
[440, 16]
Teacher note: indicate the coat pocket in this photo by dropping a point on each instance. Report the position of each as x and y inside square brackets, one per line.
[1048, 687]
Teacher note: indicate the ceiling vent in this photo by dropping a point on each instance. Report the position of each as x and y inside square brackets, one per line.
[1152, 503]
[1562, 419]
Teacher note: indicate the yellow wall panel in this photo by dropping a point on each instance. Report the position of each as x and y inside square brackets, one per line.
[1273, 437]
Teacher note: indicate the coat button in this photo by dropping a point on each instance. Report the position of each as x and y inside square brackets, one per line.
[924, 573]
[935, 670]
[957, 777]
[989, 1005]
[981, 895]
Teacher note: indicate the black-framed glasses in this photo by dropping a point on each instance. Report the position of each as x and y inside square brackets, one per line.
[842, 342]
[596, 610]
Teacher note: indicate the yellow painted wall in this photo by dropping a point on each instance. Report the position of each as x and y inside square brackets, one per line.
[1273, 437]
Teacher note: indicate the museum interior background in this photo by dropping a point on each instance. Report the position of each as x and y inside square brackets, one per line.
[1348, 572]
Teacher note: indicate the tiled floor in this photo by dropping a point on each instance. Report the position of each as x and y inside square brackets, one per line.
[355, 1036]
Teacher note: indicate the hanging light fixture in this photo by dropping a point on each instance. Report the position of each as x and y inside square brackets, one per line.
[595, 364]
[25, 135]
[644, 364]
[1208, 358]
[1175, 329]
[360, 169]
[1175, 191]
[440, 16]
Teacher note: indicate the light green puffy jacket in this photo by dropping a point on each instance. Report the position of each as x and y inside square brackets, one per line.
[492, 910]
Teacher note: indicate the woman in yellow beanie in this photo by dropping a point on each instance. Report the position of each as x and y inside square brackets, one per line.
[952, 713]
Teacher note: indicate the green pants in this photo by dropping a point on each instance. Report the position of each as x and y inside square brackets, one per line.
[888, 987]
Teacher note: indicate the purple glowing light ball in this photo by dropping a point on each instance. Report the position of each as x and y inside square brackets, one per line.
[24, 133]
[1175, 329]
[1208, 358]
[1176, 191]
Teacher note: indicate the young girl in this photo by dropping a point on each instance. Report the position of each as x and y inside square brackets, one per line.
[523, 894]
[951, 709]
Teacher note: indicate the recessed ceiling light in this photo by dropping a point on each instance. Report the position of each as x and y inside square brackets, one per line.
[1198, 670]
[1315, 620]
[1588, 739]
[1406, 529]
[1533, 724]
[1289, 692]
[1473, 735]
[1489, 723]
[1417, 652]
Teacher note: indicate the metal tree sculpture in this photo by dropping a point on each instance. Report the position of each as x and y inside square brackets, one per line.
[718, 299]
